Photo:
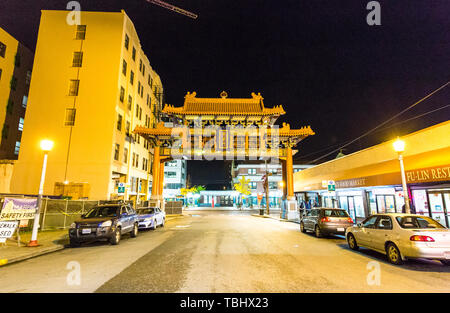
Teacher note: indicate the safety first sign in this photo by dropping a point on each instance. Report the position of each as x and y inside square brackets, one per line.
[18, 209]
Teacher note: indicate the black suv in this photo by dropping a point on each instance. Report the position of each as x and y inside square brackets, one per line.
[105, 222]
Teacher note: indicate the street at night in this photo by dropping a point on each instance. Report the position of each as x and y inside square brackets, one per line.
[220, 251]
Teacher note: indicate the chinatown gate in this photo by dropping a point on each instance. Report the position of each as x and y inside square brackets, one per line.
[223, 129]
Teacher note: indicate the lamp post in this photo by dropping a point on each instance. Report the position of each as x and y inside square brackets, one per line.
[399, 146]
[46, 146]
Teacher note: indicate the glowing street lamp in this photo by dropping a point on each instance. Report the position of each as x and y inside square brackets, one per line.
[399, 147]
[46, 146]
[281, 184]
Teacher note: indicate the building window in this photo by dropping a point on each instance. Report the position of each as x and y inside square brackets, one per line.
[125, 155]
[17, 60]
[77, 59]
[122, 94]
[70, 117]
[127, 41]
[133, 55]
[0, 73]
[10, 106]
[81, 32]
[137, 160]
[5, 131]
[2, 49]
[140, 65]
[116, 152]
[140, 113]
[252, 171]
[13, 83]
[131, 77]
[149, 81]
[137, 110]
[128, 126]
[252, 185]
[143, 70]
[24, 101]
[119, 122]
[28, 78]
[134, 159]
[130, 101]
[17, 148]
[73, 88]
[124, 68]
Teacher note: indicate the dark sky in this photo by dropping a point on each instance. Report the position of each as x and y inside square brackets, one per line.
[319, 59]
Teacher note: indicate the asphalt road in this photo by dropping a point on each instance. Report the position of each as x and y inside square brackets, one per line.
[222, 252]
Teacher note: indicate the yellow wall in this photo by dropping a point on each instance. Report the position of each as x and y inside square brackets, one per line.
[425, 148]
[91, 157]
[7, 66]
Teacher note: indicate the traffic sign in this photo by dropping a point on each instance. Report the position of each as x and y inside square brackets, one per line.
[121, 188]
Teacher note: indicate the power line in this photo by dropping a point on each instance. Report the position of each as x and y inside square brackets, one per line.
[384, 123]
[381, 129]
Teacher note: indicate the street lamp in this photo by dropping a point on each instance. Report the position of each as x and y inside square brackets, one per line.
[46, 146]
[281, 184]
[399, 147]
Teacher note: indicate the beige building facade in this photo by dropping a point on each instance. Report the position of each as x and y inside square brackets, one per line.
[92, 85]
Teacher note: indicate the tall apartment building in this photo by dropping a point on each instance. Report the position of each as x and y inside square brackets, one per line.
[16, 62]
[92, 85]
[174, 178]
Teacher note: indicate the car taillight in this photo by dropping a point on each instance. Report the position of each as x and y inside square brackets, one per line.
[421, 238]
[350, 220]
[325, 219]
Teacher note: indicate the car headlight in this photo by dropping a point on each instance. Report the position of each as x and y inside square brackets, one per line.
[106, 224]
[73, 225]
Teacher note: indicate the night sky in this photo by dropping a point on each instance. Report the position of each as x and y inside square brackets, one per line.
[319, 59]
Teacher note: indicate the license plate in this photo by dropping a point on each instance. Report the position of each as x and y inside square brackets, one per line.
[86, 231]
[341, 229]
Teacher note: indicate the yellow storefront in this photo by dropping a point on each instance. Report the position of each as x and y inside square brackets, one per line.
[369, 181]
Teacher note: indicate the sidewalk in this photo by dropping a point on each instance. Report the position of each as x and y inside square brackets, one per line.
[276, 216]
[49, 241]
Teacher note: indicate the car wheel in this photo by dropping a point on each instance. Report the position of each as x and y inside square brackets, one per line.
[318, 232]
[445, 262]
[134, 233]
[154, 225]
[352, 242]
[302, 228]
[74, 243]
[163, 221]
[115, 239]
[393, 254]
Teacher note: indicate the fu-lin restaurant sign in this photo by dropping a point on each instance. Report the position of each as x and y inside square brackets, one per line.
[439, 173]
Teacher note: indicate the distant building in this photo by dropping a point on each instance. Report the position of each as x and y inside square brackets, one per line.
[92, 85]
[174, 178]
[16, 62]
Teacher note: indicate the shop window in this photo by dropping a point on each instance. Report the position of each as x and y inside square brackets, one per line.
[420, 202]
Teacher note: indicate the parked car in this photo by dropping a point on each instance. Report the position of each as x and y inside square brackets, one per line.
[104, 222]
[151, 218]
[325, 221]
[402, 236]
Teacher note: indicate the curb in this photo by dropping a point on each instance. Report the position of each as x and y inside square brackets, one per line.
[4, 262]
[275, 218]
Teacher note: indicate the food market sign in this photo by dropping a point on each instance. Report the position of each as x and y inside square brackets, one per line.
[18, 209]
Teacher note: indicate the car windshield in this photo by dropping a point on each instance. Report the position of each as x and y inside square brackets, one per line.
[146, 211]
[417, 222]
[102, 211]
[335, 213]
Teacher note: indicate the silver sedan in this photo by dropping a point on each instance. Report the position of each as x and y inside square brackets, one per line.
[402, 236]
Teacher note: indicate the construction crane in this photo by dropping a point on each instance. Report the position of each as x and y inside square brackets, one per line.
[173, 8]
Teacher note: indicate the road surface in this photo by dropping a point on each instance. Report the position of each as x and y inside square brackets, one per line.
[213, 251]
